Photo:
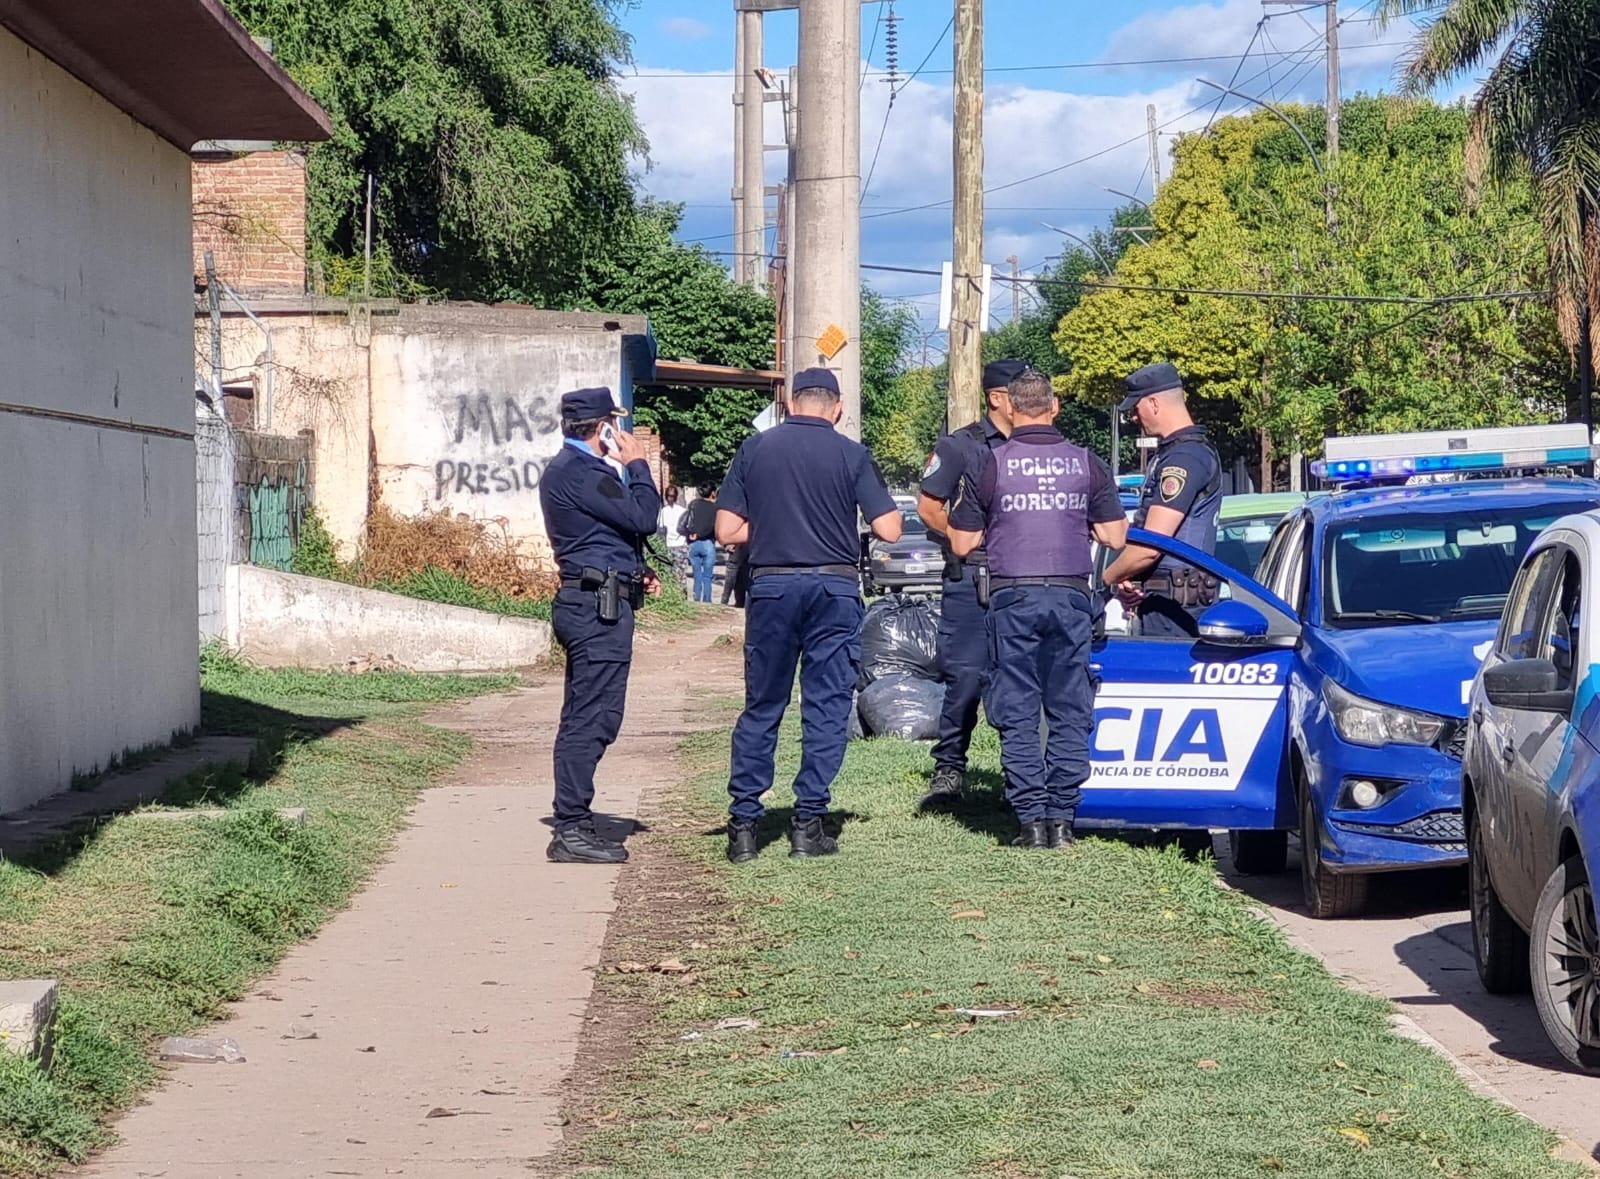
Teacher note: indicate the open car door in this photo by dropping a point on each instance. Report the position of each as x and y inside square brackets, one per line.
[1191, 733]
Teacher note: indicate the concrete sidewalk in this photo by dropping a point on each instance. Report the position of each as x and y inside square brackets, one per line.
[447, 1002]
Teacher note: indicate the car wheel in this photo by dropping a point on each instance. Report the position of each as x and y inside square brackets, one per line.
[1498, 944]
[1259, 853]
[1327, 894]
[1565, 962]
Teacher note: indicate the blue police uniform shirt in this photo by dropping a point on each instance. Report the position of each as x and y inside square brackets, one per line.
[800, 485]
[1186, 476]
[954, 455]
[1044, 500]
[592, 518]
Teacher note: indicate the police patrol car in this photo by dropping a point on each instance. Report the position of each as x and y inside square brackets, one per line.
[1327, 694]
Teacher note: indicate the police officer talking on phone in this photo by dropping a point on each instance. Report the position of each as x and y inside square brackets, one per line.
[1035, 502]
[963, 648]
[1181, 498]
[792, 496]
[597, 519]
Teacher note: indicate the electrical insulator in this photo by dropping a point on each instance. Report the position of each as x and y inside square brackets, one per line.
[891, 48]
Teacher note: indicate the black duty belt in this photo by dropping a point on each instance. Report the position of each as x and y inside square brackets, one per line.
[577, 582]
[831, 570]
[1077, 583]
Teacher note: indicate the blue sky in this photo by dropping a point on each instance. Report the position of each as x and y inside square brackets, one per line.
[1051, 99]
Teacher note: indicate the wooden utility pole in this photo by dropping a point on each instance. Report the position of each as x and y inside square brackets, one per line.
[1331, 8]
[963, 401]
[1155, 149]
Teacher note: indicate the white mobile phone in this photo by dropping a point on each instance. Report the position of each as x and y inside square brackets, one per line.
[608, 437]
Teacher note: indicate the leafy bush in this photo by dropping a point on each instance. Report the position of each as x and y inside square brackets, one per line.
[316, 555]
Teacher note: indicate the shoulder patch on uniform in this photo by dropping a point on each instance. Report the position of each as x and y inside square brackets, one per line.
[933, 465]
[1172, 483]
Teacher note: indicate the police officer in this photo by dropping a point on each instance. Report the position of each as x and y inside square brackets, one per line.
[792, 495]
[1034, 502]
[1181, 497]
[963, 648]
[597, 521]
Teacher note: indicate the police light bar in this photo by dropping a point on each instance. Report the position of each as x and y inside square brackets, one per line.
[1133, 482]
[1394, 456]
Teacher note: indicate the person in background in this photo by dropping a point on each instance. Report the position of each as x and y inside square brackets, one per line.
[792, 496]
[699, 528]
[736, 576]
[672, 513]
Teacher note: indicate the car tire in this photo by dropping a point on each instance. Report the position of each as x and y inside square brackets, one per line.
[1259, 853]
[1562, 961]
[1499, 946]
[1327, 894]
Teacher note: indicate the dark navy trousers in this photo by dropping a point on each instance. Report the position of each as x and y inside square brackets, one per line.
[964, 665]
[599, 656]
[813, 620]
[1040, 637]
[1161, 617]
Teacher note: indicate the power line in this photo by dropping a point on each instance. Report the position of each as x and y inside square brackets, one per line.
[1066, 65]
[1222, 293]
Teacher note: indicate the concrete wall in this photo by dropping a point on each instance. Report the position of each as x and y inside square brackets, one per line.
[319, 384]
[283, 620]
[98, 583]
[465, 409]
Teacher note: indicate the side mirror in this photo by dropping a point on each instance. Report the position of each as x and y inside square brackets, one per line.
[1233, 621]
[1528, 684]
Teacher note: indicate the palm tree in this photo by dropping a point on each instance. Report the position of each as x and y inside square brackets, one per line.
[1538, 111]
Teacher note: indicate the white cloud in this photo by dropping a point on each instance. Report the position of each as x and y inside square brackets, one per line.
[684, 28]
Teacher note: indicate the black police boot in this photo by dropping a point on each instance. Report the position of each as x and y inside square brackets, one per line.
[1036, 834]
[582, 844]
[808, 839]
[742, 847]
[944, 791]
[1059, 832]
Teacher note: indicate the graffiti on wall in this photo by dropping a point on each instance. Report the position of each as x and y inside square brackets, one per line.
[272, 482]
[481, 459]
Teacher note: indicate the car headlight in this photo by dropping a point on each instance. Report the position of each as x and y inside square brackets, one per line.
[1366, 722]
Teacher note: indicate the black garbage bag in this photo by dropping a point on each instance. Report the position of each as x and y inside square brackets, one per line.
[900, 636]
[904, 706]
[856, 731]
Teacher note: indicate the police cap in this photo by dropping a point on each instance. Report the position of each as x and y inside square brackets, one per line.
[997, 374]
[815, 378]
[589, 405]
[1152, 378]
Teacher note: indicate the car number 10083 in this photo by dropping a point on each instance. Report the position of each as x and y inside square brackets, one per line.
[1234, 673]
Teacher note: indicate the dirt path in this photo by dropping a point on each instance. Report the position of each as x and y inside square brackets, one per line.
[1415, 948]
[457, 982]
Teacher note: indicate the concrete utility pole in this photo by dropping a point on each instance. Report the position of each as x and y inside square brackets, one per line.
[1155, 149]
[1016, 287]
[753, 153]
[826, 227]
[966, 326]
[1332, 37]
[738, 144]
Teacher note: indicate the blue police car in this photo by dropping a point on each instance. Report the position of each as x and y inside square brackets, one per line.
[1327, 694]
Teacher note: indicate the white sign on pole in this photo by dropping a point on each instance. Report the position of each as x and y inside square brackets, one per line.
[947, 297]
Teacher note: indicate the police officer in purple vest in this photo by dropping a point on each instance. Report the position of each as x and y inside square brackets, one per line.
[1034, 503]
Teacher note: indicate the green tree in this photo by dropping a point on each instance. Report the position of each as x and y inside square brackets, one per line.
[1244, 211]
[494, 130]
[1538, 111]
[698, 314]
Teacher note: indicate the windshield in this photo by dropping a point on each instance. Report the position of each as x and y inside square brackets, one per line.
[1241, 541]
[1406, 569]
[911, 524]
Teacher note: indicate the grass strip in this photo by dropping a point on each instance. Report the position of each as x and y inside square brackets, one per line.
[152, 927]
[1163, 1027]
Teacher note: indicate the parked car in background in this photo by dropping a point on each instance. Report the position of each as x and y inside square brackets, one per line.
[1531, 791]
[915, 562]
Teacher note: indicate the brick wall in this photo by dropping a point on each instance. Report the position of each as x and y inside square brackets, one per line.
[251, 213]
[660, 471]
